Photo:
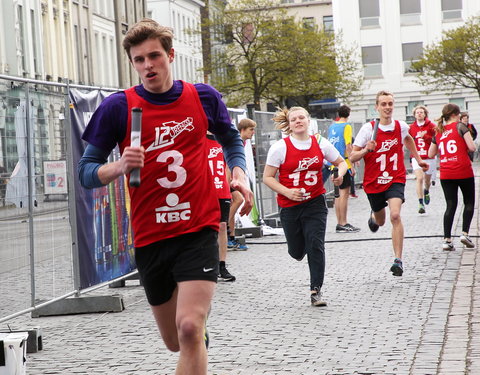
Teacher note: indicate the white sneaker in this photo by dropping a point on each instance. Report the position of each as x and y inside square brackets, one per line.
[467, 241]
[448, 246]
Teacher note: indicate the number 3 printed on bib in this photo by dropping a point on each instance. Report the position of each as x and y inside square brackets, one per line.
[176, 160]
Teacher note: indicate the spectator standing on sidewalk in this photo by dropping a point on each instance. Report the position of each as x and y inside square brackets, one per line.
[246, 127]
[175, 211]
[298, 160]
[340, 136]
[217, 166]
[453, 141]
[465, 119]
[385, 174]
[422, 131]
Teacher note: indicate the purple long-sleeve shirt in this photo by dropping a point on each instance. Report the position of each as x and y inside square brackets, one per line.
[108, 126]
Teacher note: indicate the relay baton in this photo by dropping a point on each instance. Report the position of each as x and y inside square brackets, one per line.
[135, 136]
[375, 130]
[336, 190]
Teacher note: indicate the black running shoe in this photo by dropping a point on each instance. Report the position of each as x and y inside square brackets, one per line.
[347, 228]
[206, 337]
[397, 267]
[352, 228]
[224, 275]
[372, 224]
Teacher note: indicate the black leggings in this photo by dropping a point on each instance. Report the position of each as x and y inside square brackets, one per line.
[450, 190]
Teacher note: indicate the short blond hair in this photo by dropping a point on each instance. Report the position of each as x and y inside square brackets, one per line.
[281, 118]
[420, 107]
[245, 124]
[382, 93]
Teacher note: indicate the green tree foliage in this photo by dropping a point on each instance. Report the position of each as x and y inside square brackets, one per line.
[270, 56]
[454, 61]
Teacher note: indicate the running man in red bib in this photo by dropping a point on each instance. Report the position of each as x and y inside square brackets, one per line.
[175, 211]
[385, 174]
[453, 141]
[216, 162]
[422, 131]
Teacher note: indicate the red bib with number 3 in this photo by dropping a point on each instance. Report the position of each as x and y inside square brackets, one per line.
[177, 193]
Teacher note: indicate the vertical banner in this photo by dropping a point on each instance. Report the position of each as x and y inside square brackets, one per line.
[105, 241]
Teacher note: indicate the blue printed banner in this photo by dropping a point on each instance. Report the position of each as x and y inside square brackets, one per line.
[105, 240]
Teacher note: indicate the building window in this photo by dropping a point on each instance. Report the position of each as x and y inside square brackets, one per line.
[451, 10]
[372, 61]
[21, 47]
[288, 1]
[458, 101]
[34, 41]
[410, 12]
[308, 22]
[78, 53]
[328, 23]
[411, 52]
[369, 13]
[371, 112]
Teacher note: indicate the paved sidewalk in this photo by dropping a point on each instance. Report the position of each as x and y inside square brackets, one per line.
[426, 322]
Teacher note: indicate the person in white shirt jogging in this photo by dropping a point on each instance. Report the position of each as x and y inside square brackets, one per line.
[298, 160]
[385, 174]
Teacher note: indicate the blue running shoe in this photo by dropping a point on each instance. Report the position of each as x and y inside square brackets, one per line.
[231, 244]
[241, 247]
[238, 246]
[426, 196]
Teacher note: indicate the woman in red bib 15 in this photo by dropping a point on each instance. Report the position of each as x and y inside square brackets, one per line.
[453, 141]
[298, 159]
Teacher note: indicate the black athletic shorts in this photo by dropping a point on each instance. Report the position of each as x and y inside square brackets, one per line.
[224, 210]
[378, 201]
[347, 181]
[161, 265]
